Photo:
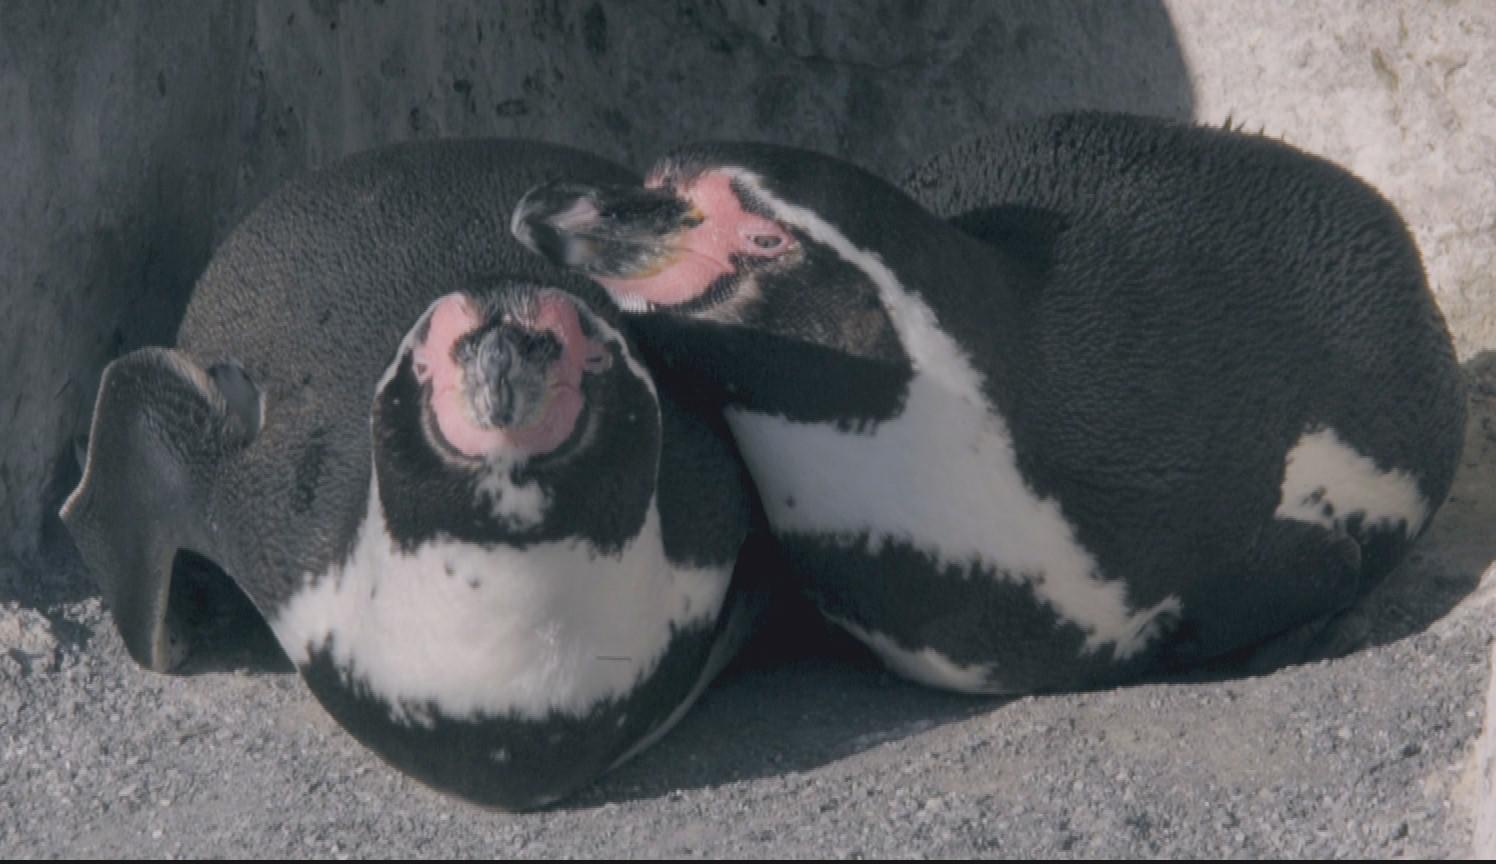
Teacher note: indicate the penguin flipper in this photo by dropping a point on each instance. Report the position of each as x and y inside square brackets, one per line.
[753, 589]
[743, 609]
[161, 427]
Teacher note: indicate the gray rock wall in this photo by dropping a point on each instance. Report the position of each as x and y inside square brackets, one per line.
[133, 135]
[112, 121]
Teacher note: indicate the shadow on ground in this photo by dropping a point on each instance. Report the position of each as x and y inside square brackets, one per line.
[228, 632]
[786, 706]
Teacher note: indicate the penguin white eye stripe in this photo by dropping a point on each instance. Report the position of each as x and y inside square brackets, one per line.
[927, 348]
[580, 215]
[412, 336]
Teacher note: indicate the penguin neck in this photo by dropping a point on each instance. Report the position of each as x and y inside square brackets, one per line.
[506, 676]
[759, 370]
[459, 630]
[956, 305]
[942, 391]
[956, 308]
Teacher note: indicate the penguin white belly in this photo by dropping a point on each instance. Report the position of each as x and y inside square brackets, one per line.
[941, 477]
[498, 631]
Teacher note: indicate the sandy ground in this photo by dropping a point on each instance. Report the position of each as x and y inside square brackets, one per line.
[804, 747]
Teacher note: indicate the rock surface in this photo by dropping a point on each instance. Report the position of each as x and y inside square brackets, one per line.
[134, 135]
[1483, 795]
[26, 638]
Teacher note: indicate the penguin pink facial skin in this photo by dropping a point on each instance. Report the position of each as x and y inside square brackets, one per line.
[683, 242]
[723, 238]
[477, 372]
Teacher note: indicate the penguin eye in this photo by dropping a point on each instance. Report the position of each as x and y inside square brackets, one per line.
[767, 241]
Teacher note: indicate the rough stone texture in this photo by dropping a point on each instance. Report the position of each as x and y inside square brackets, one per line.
[108, 118]
[27, 642]
[1483, 796]
[134, 135]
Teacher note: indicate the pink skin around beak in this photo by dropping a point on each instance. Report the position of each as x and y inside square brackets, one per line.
[452, 318]
[726, 230]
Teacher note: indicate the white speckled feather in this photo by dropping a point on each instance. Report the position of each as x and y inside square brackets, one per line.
[1322, 469]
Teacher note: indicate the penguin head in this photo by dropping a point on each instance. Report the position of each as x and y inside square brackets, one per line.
[503, 372]
[512, 413]
[741, 235]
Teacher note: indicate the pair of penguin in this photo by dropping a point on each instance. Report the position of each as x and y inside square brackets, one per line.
[1114, 395]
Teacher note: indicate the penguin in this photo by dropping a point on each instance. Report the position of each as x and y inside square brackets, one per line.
[498, 554]
[1156, 393]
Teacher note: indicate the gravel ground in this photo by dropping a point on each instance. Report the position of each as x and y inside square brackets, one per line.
[804, 748]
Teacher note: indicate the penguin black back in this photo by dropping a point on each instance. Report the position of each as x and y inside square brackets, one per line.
[1311, 268]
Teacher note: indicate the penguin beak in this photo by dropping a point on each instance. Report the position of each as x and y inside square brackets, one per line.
[609, 232]
[506, 374]
[501, 371]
